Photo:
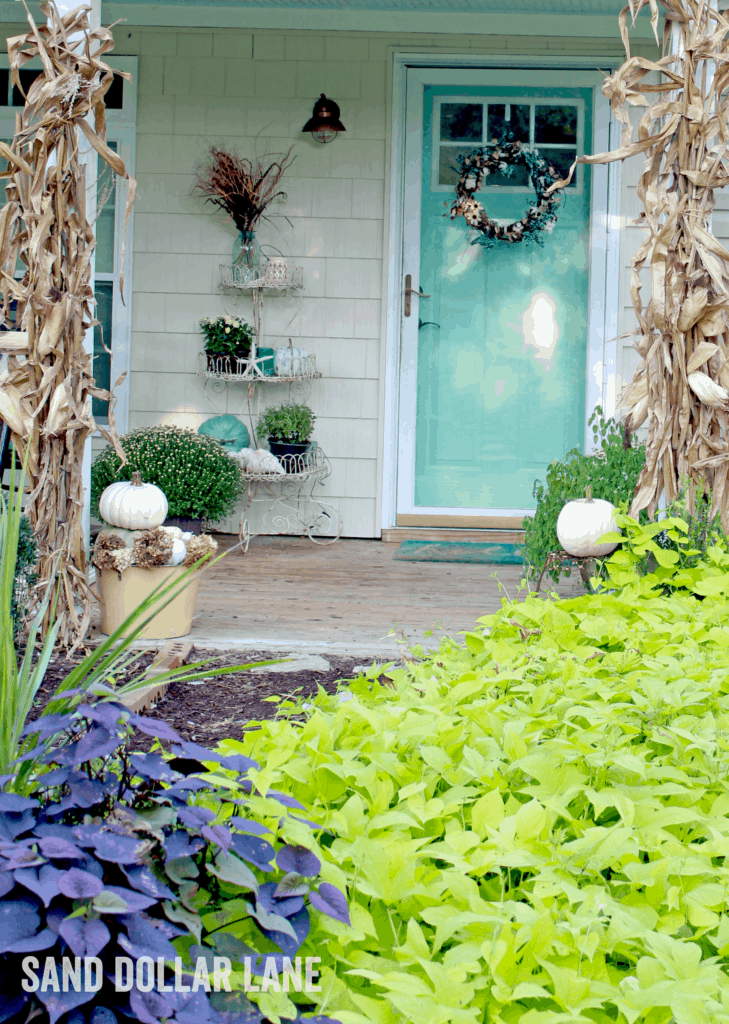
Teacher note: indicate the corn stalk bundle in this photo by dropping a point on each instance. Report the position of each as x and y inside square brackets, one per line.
[681, 386]
[46, 390]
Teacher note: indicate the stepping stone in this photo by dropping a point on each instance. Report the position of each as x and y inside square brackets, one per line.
[308, 663]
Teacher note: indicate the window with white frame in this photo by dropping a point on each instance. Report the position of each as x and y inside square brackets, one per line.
[551, 127]
[112, 335]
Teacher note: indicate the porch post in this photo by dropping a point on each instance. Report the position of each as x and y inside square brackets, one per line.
[88, 160]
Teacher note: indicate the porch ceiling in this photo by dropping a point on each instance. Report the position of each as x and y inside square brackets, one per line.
[594, 7]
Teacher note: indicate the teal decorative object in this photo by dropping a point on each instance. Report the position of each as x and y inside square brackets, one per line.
[246, 256]
[265, 355]
[228, 431]
[460, 551]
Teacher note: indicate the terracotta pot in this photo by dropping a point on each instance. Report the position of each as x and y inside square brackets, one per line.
[120, 595]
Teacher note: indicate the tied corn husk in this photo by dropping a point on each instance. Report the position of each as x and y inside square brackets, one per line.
[46, 390]
[681, 385]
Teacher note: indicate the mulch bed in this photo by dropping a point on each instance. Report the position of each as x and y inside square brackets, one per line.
[224, 706]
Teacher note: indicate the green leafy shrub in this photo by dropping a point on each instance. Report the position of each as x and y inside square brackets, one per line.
[662, 557]
[532, 827]
[197, 476]
[611, 471]
[288, 422]
[227, 336]
[703, 531]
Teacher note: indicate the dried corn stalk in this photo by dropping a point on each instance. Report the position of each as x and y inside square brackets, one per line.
[45, 394]
[682, 384]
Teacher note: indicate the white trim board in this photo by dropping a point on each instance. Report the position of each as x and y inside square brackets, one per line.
[415, 69]
[211, 15]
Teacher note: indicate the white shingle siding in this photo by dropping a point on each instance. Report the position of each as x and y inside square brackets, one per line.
[256, 89]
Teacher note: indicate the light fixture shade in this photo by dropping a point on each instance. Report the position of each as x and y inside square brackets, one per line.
[324, 123]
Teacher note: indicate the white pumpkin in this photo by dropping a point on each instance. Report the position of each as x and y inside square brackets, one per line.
[282, 362]
[174, 531]
[289, 362]
[582, 523]
[263, 461]
[298, 361]
[179, 550]
[133, 506]
[186, 536]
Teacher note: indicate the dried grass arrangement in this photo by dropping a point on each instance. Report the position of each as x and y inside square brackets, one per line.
[45, 397]
[243, 188]
[682, 384]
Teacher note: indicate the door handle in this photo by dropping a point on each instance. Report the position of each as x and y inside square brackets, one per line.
[409, 292]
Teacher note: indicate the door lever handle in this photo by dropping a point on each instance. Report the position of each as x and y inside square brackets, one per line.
[409, 292]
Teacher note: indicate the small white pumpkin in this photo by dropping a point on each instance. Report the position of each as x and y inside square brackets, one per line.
[289, 361]
[133, 506]
[186, 536]
[582, 523]
[179, 550]
[174, 531]
[298, 361]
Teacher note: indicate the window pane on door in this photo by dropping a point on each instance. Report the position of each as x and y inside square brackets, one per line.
[449, 166]
[461, 122]
[557, 124]
[102, 334]
[561, 160]
[511, 119]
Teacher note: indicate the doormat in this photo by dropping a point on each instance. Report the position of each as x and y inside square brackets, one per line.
[460, 551]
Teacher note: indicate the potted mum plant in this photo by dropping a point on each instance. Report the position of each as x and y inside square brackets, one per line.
[227, 343]
[288, 428]
[197, 476]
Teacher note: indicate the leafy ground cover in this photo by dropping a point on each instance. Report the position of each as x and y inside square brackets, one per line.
[531, 826]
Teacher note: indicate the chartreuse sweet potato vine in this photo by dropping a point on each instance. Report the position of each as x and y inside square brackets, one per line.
[532, 826]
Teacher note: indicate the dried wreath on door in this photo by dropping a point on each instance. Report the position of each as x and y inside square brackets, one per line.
[501, 158]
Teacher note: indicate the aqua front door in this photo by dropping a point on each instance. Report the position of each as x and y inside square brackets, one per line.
[494, 362]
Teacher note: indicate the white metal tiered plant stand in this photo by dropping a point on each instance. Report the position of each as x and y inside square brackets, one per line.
[292, 507]
[279, 275]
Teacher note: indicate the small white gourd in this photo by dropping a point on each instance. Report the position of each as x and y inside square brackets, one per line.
[174, 531]
[582, 523]
[186, 536]
[133, 506]
[268, 463]
[179, 550]
[282, 359]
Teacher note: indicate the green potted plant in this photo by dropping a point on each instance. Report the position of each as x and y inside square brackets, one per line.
[227, 343]
[195, 473]
[288, 428]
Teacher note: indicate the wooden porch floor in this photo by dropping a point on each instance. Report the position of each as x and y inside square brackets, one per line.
[289, 594]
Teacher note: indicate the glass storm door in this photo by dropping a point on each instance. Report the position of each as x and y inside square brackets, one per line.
[494, 353]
